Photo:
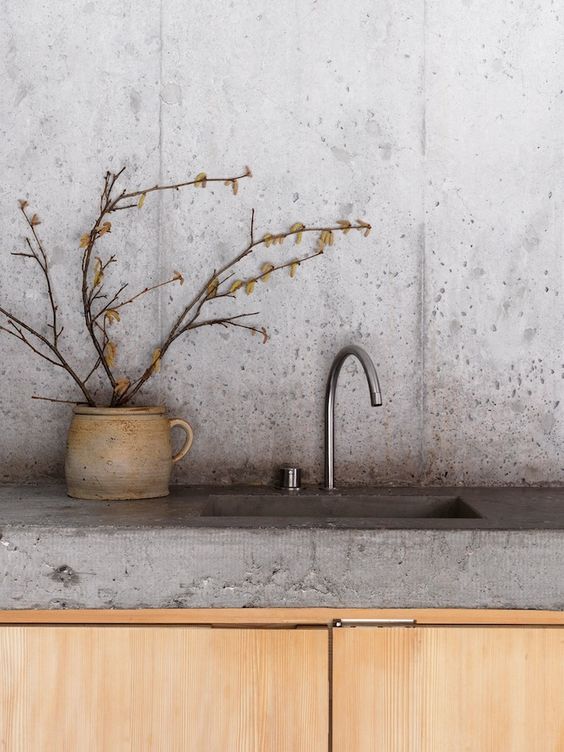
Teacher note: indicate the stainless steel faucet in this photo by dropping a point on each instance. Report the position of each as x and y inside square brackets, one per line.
[375, 401]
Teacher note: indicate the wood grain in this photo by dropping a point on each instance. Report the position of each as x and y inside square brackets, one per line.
[171, 689]
[278, 616]
[449, 689]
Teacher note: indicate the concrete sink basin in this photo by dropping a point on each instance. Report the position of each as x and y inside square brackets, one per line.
[336, 505]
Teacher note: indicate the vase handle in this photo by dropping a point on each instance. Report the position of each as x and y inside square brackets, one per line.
[189, 437]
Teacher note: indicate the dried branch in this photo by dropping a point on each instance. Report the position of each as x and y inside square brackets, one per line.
[109, 204]
[176, 278]
[105, 204]
[41, 258]
[192, 316]
[266, 240]
[60, 359]
[223, 321]
[232, 321]
[53, 399]
[210, 289]
[287, 265]
[18, 334]
[92, 370]
[177, 186]
[109, 305]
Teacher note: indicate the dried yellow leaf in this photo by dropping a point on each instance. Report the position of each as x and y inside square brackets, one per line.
[264, 335]
[267, 240]
[141, 201]
[345, 224]
[111, 315]
[22, 202]
[250, 286]
[179, 277]
[266, 269]
[367, 227]
[326, 238]
[156, 361]
[106, 227]
[35, 220]
[235, 187]
[297, 227]
[98, 272]
[110, 353]
[84, 240]
[294, 268]
[212, 288]
[200, 179]
[248, 172]
[122, 385]
[236, 285]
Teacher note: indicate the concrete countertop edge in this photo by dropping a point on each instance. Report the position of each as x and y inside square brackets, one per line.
[49, 566]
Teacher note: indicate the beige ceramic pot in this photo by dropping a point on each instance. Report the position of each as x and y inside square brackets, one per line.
[121, 452]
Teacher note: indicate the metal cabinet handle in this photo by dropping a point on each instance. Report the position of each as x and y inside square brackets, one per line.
[374, 622]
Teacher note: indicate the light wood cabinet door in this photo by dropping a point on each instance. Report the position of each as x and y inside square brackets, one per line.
[448, 689]
[149, 689]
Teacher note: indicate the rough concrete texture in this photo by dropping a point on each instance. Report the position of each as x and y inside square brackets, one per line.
[233, 567]
[59, 553]
[439, 121]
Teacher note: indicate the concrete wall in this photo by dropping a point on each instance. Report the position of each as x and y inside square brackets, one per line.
[441, 121]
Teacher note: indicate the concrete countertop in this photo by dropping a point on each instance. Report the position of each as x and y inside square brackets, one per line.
[57, 552]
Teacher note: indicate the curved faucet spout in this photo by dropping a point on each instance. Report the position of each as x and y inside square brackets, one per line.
[375, 401]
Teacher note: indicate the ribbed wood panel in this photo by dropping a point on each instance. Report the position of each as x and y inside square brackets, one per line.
[171, 689]
[441, 689]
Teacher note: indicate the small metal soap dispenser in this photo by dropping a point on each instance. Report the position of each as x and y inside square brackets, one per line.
[290, 479]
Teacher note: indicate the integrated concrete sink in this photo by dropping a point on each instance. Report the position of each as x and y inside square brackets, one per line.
[338, 506]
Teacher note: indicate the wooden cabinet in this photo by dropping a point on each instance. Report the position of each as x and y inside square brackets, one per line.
[165, 688]
[449, 689]
[264, 680]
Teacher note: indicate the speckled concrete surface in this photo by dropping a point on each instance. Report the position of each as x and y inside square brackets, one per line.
[440, 121]
[56, 552]
[494, 271]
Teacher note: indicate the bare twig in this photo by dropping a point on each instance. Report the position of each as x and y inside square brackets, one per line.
[144, 291]
[111, 302]
[125, 206]
[92, 370]
[177, 186]
[18, 334]
[228, 321]
[60, 359]
[52, 399]
[252, 230]
[41, 258]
